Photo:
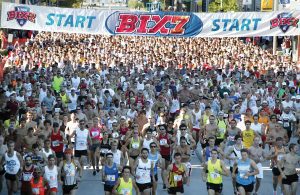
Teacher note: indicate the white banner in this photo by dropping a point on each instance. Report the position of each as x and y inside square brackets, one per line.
[90, 21]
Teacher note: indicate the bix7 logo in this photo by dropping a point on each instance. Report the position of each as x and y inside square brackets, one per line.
[154, 24]
[284, 21]
[22, 14]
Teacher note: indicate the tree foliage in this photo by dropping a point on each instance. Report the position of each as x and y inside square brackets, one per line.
[227, 5]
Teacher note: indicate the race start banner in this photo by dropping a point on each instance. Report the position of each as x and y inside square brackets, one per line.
[178, 24]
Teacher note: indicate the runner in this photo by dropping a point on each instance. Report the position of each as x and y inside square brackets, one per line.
[246, 171]
[51, 175]
[125, 184]
[207, 150]
[27, 175]
[46, 150]
[134, 144]
[95, 134]
[110, 174]
[176, 175]
[212, 173]
[277, 152]
[38, 184]
[248, 135]
[13, 167]
[38, 157]
[70, 171]
[58, 140]
[118, 155]
[258, 155]
[234, 154]
[166, 142]
[3, 150]
[156, 159]
[82, 139]
[288, 171]
[143, 171]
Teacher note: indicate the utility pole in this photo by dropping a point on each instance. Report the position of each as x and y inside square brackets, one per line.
[275, 8]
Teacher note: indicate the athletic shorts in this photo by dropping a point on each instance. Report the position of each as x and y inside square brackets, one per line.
[79, 153]
[174, 190]
[59, 154]
[215, 187]
[231, 170]
[134, 157]
[68, 188]
[53, 190]
[108, 188]
[290, 179]
[93, 147]
[166, 157]
[260, 175]
[144, 186]
[276, 171]
[11, 177]
[247, 188]
[196, 129]
[155, 177]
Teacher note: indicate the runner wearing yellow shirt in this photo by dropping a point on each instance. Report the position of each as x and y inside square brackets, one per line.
[248, 135]
[125, 184]
[212, 173]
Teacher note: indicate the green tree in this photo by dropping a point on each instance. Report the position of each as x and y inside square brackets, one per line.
[227, 5]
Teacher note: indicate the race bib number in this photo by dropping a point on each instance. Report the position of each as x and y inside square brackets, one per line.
[177, 177]
[81, 143]
[188, 165]
[135, 145]
[279, 157]
[27, 177]
[231, 138]
[55, 143]
[163, 142]
[286, 124]
[57, 110]
[35, 190]
[243, 175]
[221, 131]
[125, 191]
[115, 135]
[95, 134]
[111, 178]
[214, 175]
[122, 137]
[104, 150]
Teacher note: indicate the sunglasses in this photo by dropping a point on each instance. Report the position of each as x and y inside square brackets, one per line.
[153, 146]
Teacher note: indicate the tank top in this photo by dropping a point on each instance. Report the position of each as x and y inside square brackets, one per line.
[37, 188]
[125, 188]
[279, 154]
[70, 173]
[231, 138]
[95, 133]
[12, 164]
[57, 142]
[26, 178]
[104, 147]
[162, 141]
[47, 153]
[221, 129]
[111, 174]
[235, 153]
[176, 176]
[213, 176]
[143, 171]
[146, 143]
[243, 168]
[51, 176]
[135, 144]
[81, 139]
[248, 137]
[196, 123]
[154, 158]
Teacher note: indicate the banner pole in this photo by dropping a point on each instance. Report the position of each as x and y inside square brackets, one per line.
[275, 8]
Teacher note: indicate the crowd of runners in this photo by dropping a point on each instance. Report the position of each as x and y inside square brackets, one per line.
[136, 109]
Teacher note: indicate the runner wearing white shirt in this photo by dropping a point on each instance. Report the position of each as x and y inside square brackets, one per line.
[51, 175]
[82, 138]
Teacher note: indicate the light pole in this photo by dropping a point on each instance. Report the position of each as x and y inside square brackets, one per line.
[275, 8]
